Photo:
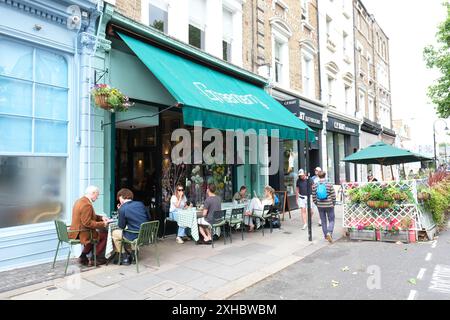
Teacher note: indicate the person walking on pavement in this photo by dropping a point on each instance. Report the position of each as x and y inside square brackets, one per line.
[315, 178]
[324, 198]
[302, 196]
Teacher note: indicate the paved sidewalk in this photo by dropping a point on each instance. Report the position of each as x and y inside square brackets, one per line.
[187, 271]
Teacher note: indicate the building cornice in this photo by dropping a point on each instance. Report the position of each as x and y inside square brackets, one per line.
[336, 114]
[295, 94]
[389, 132]
[56, 12]
[371, 127]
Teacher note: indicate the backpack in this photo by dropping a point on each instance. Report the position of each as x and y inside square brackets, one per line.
[321, 192]
[276, 200]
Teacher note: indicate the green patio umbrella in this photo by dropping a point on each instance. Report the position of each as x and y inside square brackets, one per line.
[384, 155]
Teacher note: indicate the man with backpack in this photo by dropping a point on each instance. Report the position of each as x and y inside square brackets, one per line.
[324, 198]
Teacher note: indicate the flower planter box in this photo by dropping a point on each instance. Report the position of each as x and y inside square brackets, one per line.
[366, 235]
[402, 236]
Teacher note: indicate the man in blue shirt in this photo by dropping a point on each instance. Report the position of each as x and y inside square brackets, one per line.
[131, 215]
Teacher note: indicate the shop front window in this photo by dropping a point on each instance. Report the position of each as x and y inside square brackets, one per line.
[34, 97]
[291, 165]
[330, 153]
[194, 177]
[32, 189]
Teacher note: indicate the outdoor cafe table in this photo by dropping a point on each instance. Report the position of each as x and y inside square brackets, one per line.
[187, 218]
[109, 242]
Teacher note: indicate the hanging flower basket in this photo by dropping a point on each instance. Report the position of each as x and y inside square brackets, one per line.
[378, 204]
[110, 99]
[101, 101]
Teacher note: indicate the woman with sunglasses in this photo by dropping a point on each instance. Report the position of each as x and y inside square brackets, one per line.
[177, 202]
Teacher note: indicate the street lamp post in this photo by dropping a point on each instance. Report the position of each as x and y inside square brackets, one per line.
[434, 139]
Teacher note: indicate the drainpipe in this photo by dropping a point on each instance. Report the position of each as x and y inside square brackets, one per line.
[89, 96]
[253, 36]
[325, 112]
[318, 51]
[354, 64]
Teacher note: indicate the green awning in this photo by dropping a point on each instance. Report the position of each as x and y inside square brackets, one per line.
[217, 100]
[384, 154]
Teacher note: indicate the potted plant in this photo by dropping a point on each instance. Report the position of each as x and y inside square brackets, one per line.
[363, 231]
[393, 233]
[378, 198]
[355, 195]
[397, 194]
[110, 99]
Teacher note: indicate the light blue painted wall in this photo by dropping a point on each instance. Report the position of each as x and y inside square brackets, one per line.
[32, 244]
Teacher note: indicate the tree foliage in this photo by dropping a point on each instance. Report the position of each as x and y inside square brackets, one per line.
[439, 57]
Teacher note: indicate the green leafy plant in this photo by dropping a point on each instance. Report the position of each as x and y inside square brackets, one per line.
[110, 98]
[439, 203]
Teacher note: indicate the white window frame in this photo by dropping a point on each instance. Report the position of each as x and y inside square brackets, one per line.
[371, 108]
[145, 10]
[202, 30]
[281, 34]
[331, 83]
[228, 39]
[305, 10]
[362, 100]
[283, 5]
[347, 94]
[308, 74]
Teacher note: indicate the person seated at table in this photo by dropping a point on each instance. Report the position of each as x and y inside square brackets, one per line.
[211, 205]
[84, 218]
[131, 215]
[371, 178]
[256, 208]
[177, 202]
[241, 196]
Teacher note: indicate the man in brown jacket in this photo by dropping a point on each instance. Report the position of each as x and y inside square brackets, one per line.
[84, 218]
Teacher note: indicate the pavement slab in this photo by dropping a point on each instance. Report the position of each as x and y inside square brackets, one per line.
[168, 289]
[117, 293]
[187, 271]
[206, 283]
[141, 283]
[180, 274]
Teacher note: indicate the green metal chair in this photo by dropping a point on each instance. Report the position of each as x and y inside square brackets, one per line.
[63, 237]
[219, 221]
[236, 219]
[265, 215]
[269, 213]
[147, 235]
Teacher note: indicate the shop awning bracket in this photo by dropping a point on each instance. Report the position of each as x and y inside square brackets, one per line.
[150, 116]
[101, 75]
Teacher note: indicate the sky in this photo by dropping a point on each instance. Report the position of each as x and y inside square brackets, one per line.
[411, 25]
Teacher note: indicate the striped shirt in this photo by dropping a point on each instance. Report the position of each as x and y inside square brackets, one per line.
[331, 196]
